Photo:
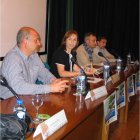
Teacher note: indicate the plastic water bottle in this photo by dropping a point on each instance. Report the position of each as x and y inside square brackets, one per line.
[81, 84]
[128, 59]
[119, 64]
[106, 72]
[20, 109]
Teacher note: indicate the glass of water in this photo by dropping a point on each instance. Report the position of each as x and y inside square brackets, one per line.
[37, 102]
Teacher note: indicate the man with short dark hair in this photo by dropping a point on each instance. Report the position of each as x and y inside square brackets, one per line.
[101, 47]
[85, 52]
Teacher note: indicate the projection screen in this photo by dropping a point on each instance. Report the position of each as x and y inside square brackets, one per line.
[15, 14]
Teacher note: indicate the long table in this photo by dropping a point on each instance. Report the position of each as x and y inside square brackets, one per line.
[85, 118]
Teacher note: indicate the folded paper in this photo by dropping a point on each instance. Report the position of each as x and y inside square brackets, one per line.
[51, 125]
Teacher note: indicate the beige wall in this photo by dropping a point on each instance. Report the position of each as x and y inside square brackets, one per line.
[43, 58]
[17, 13]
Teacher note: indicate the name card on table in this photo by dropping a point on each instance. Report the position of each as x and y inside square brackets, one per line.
[115, 78]
[51, 125]
[109, 80]
[96, 93]
[126, 69]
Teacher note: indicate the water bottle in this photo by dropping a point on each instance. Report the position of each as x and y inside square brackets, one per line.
[106, 72]
[119, 64]
[20, 109]
[128, 59]
[81, 84]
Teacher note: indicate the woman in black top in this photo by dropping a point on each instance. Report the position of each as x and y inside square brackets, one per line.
[61, 65]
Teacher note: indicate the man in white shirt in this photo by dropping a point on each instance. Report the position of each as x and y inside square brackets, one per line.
[101, 47]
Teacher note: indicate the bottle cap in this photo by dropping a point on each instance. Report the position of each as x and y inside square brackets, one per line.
[21, 114]
[129, 55]
[106, 66]
[81, 72]
[19, 101]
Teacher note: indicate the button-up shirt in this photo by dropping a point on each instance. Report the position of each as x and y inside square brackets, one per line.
[21, 73]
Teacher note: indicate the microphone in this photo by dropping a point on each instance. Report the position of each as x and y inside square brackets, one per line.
[101, 54]
[115, 54]
[86, 83]
[3, 82]
[75, 62]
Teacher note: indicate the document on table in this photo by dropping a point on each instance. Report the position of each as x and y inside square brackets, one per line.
[94, 80]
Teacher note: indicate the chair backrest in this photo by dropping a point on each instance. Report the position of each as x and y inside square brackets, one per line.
[47, 67]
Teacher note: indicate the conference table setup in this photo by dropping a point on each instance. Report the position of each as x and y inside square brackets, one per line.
[80, 117]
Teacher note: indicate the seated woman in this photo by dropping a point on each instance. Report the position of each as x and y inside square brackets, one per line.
[61, 65]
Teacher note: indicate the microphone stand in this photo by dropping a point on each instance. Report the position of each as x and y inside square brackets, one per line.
[101, 54]
[107, 61]
[3, 82]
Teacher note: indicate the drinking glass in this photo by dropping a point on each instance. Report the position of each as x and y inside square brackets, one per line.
[37, 101]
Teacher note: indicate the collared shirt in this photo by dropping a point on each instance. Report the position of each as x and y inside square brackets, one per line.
[21, 73]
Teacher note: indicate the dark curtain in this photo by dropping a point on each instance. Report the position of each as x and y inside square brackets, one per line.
[118, 20]
[56, 25]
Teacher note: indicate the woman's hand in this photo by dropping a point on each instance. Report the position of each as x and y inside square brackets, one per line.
[90, 71]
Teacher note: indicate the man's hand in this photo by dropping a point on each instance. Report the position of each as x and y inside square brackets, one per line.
[59, 85]
[90, 71]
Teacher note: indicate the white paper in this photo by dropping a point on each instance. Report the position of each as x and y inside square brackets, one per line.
[51, 125]
[94, 80]
[126, 69]
[98, 64]
[98, 93]
[109, 79]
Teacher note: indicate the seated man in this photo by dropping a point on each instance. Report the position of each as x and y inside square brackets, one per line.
[22, 67]
[101, 47]
[85, 55]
